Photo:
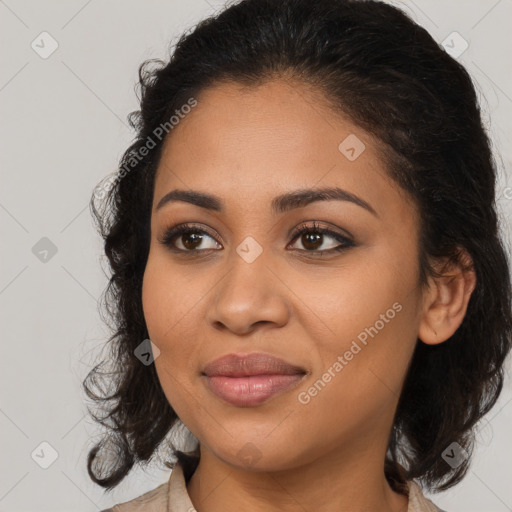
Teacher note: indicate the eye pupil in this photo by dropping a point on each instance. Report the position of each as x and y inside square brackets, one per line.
[196, 240]
[311, 238]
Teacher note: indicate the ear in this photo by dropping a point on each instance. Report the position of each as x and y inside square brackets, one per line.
[446, 300]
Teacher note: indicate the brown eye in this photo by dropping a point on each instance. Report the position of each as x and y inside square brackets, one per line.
[313, 239]
[187, 238]
[191, 240]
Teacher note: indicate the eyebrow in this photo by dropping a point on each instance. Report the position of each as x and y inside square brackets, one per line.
[280, 204]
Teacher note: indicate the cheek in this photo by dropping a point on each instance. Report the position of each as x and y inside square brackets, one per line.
[371, 324]
[160, 309]
[151, 292]
[349, 304]
[164, 302]
[361, 377]
[163, 310]
[171, 317]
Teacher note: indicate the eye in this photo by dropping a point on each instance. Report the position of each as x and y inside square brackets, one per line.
[190, 237]
[187, 238]
[313, 237]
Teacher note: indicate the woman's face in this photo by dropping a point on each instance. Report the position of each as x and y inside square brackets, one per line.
[348, 318]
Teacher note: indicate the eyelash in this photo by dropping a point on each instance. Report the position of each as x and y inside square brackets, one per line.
[176, 231]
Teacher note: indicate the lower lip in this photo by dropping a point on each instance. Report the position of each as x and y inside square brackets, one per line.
[250, 390]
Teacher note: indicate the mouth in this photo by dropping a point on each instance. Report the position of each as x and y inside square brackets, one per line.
[244, 365]
[249, 380]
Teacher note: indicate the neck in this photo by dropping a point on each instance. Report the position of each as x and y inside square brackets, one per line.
[349, 480]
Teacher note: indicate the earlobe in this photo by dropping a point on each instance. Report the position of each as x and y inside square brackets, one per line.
[446, 301]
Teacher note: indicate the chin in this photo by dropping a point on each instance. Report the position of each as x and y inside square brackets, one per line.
[249, 455]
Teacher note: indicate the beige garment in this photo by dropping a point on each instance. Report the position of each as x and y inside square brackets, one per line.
[172, 496]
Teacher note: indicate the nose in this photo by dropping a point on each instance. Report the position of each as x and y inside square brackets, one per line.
[249, 294]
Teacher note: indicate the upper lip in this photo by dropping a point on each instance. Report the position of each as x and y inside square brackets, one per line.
[235, 365]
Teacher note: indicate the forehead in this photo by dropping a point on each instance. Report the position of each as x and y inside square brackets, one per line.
[257, 142]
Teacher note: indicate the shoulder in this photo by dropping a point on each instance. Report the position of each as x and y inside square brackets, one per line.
[418, 502]
[172, 494]
[151, 501]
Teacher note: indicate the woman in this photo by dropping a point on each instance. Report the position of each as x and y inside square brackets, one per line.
[306, 266]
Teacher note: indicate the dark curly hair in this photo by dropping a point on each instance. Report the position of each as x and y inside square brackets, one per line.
[384, 72]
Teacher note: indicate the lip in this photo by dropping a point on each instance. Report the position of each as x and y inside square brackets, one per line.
[250, 379]
[243, 365]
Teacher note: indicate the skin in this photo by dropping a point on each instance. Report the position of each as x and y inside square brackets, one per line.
[248, 145]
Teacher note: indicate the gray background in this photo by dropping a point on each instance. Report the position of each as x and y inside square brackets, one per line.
[63, 129]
